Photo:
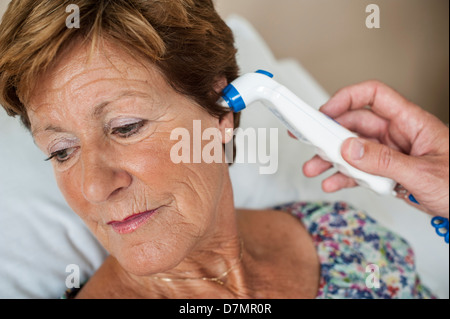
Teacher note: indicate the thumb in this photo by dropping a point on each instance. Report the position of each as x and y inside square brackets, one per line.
[379, 159]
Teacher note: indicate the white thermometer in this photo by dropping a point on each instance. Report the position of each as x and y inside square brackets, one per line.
[306, 123]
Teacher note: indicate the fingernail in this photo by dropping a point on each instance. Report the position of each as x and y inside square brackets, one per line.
[325, 109]
[356, 150]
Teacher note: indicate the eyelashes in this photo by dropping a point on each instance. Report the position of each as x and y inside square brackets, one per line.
[128, 130]
[62, 156]
[122, 132]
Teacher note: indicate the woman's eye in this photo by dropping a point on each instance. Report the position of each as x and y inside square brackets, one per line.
[128, 130]
[62, 155]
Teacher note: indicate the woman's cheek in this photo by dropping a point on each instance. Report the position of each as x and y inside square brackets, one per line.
[150, 157]
[69, 182]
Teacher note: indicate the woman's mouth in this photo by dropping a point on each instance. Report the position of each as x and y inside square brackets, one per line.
[131, 223]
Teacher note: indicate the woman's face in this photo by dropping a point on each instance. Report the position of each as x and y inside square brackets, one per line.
[107, 124]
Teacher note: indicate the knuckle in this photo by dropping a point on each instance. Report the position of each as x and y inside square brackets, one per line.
[375, 82]
[385, 158]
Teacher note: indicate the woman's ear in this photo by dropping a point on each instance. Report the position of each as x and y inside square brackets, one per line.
[226, 127]
[226, 123]
[220, 84]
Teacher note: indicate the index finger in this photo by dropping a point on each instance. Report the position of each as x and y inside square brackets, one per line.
[383, 100]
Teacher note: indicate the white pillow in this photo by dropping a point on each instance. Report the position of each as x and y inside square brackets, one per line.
[40, 235]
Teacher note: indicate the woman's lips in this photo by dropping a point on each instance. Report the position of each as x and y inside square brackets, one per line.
[130, 224]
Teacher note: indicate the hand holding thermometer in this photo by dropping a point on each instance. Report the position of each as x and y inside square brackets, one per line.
[306, 123]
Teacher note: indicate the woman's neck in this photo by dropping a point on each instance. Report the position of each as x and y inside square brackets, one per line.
[217, 264]
[218, 269]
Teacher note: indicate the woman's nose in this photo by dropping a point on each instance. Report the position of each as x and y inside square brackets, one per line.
[101, 179]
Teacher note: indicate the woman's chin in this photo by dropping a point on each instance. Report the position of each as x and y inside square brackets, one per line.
[145, 259]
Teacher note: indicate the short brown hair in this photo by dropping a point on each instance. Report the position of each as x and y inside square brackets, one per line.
[186, 39]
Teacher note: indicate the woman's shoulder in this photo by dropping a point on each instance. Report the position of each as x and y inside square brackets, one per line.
[272, 229]
[340, 221]
[359, 257]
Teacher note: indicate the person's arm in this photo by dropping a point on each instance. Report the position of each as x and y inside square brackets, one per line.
[399, 140]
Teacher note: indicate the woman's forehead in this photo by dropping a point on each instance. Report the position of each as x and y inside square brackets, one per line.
[80, 73]
[81, 61]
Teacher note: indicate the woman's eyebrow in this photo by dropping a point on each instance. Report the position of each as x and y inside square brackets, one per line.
[100, 108]
[47, 128]
[97, 111]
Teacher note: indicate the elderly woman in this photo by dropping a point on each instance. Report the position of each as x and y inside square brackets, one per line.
[101, 102]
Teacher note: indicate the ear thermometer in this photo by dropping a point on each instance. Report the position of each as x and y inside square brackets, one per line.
[306, 123]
